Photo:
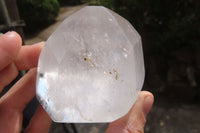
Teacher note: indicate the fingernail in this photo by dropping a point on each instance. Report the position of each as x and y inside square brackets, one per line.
[148, 101]
[9, 33]
[43, 43]
[40, 45]
[5, 33]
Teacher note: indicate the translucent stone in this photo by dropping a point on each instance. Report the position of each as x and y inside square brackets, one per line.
[91, 68]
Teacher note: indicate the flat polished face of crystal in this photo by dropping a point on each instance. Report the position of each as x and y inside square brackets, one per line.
[91, 68]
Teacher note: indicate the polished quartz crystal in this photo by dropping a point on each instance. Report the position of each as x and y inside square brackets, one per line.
[91, 68]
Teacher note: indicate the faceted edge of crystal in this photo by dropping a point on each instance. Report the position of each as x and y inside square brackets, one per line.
[49, 110]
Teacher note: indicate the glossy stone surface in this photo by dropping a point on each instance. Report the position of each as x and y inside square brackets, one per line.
[91, 68]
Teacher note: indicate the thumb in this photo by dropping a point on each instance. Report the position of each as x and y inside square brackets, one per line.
[135, 119]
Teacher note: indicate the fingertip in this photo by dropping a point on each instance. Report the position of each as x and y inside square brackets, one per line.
[13, 40]
[10, 43]
[14, 35]
[145, 93]
[148, 101]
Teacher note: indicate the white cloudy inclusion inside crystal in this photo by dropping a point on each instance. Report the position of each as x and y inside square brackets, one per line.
[91, 68]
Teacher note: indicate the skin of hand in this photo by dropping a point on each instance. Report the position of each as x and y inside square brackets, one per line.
[15, 57]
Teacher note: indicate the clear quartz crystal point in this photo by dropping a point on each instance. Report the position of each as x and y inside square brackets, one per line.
[91, 68]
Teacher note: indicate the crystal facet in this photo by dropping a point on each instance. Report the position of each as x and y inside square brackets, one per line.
[91, 68]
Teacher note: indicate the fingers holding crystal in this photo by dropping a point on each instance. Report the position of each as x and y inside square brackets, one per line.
[40, 123]
[19, 58]
[15, 100]
[15, 57]
[10, 44]
[134, 120]
[21, 93]
[25, 57]
[28, 56]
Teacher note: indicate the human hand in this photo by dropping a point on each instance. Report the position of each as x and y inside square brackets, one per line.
[134, 121]
[15, 57]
